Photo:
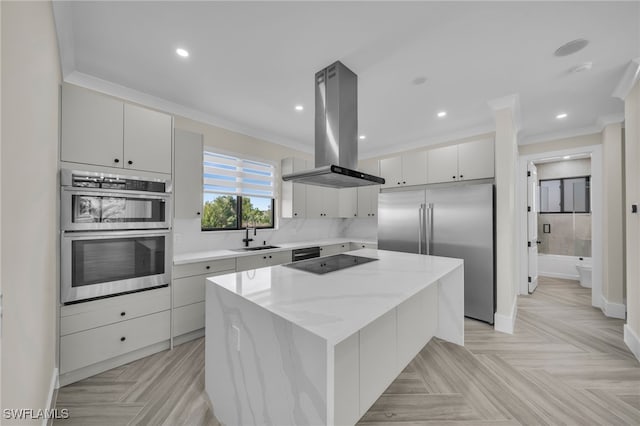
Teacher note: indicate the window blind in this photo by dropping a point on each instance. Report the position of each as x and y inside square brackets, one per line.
[224, 174]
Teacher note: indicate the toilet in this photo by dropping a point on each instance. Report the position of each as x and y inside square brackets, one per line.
[584, 271]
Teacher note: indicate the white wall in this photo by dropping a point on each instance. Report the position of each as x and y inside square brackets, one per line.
[30, 96]
[564, 168]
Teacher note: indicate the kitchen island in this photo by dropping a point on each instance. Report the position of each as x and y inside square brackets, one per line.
[289, 347]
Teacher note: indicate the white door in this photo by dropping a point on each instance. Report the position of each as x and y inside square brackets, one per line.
[532, 224]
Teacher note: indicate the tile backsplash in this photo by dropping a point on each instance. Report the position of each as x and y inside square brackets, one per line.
[189, 238]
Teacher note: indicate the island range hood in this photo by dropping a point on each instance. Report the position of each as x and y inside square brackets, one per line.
[336, 133]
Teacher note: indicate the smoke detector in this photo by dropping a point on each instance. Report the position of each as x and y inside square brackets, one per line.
[571, 47]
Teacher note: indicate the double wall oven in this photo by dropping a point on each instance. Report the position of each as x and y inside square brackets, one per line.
[115, 234]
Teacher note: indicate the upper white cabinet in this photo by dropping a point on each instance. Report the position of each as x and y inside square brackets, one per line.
[294, 195]
[442, 164]
[322, 202]
[100, 130]
[147, 139]
[404, 170]
[187, 176]
[92, 128]
[368, 195]
[476, 160]
[348, 202]
[465, 161]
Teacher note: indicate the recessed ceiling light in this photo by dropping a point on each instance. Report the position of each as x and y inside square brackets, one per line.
[566, 157]
[419, 80]
[561, 116]
[362, 137]
[571, 47]
[182, 52]
[442, 114]
[299, 108]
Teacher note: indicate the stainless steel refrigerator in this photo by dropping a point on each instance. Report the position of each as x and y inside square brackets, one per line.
[455, 221]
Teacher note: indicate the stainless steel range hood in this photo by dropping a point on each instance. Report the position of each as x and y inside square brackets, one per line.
[336, 139]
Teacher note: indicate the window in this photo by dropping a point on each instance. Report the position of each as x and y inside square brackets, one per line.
[567, 195]
[237, 193]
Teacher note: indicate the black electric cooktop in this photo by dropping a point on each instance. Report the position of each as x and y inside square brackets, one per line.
[322, 265]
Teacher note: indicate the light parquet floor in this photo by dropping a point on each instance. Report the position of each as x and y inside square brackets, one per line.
[565, 364]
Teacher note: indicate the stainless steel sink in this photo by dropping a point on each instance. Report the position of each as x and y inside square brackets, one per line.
[256, 248]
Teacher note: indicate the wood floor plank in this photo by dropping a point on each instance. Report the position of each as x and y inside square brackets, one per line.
[566, 363]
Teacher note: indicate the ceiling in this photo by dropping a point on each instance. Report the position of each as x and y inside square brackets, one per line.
[250, 63]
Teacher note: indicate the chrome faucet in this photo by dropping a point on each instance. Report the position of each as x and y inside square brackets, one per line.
[246, 239]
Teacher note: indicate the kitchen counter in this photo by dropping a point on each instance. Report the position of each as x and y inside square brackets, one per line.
[203, 256]
[284, 346]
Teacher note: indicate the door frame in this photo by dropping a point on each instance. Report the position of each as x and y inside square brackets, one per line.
[596, 216]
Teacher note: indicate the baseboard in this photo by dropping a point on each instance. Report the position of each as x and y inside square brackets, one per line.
[632, 341]
[54, 384]
[558, 275]
[613, 310]
[187, 337]
[506, 323]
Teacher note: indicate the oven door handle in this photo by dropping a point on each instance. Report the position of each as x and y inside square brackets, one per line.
[100, 235]
[99, 192]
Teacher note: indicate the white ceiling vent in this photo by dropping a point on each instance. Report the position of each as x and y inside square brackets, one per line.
[571, 47]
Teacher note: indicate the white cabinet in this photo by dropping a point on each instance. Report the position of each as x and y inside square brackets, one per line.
[404, 170]
[245, 263]
[188, 288]
[348, 202]
[442, 164]
[476, 160]
[321, 202]
[466, 161]
[104, 131]
[147, 139]
[368, 201]
[187, 176]
[358, 246]
[294, 197]
[92, 127]
[331, 249]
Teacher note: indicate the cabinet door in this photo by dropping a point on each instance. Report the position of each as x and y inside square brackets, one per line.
[91, 129]
[348, 202]
[187, 176]
[476, 160]
[294, 195]
[321, 202]
[414, 168]
[278, 258]
[245, 263]
[442, 164]
[147, 139]
[188, 318]
[368, 201]
[391, 171]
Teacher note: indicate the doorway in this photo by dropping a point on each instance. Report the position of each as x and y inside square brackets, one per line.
[560, 217]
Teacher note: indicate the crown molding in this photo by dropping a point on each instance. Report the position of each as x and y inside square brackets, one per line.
[598, 127]
[508, 102]
[132, 95]
[629, 78]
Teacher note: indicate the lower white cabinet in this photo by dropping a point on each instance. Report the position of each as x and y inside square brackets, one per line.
[332, 249]
[188, 318]
[256, 261]
[358, 246]
[91, 346]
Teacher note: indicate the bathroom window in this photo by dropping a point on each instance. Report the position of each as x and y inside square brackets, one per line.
[567, 195]
[236, 193]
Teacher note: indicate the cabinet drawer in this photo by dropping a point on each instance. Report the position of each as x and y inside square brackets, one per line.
[188, 318]
[89, 347]
[358, 246]
[201, 268]
[88, 315]
[190, 290]
[332, 249]
[246, 263]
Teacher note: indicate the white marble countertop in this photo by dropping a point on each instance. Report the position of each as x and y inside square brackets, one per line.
[337, 304]
[204, 256]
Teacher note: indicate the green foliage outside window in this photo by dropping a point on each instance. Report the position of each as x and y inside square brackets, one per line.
[222, 212]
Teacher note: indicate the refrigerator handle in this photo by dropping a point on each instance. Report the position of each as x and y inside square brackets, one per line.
[420, 227]
[429, 228]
